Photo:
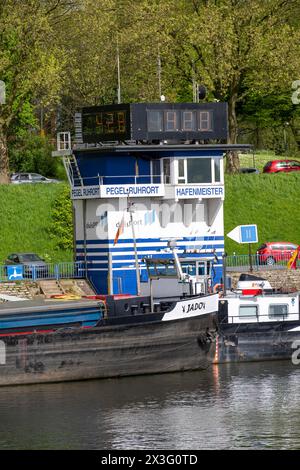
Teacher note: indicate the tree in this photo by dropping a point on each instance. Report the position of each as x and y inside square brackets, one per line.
[100, 32]
[31, 62]
[236, 47]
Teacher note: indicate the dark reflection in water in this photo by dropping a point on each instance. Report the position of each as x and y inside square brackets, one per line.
[231, 406]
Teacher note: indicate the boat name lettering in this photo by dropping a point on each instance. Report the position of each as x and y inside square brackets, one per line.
[192, 307]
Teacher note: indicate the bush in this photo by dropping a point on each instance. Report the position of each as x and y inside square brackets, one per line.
[32, 153]
[61, 228]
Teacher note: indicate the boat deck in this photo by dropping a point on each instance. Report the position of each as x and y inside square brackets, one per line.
[31, 306]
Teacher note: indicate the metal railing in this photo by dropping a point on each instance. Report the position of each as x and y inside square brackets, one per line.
[118, 179]
[257, 262]
[75, 270]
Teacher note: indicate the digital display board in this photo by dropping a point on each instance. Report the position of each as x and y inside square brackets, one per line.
[155, 121]
[106, 123]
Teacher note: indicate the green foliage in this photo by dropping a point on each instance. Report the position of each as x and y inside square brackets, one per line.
[32, 153]
[26, 218]
[31, 65]
[61, 228]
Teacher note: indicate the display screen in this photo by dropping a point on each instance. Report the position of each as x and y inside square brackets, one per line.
[151, 122]
[179, 120]
[98, 125]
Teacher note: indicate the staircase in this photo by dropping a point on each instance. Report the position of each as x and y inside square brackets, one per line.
[65, 286]
[72, 170]
[51, 288]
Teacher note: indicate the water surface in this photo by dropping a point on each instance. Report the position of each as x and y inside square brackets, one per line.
[246, 406]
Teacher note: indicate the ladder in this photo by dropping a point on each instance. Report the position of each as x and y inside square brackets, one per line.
[72, 170]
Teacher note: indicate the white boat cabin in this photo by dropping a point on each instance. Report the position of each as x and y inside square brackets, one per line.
[251, 308]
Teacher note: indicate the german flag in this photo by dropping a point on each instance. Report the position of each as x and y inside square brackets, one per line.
[292, 262]
[120, 230]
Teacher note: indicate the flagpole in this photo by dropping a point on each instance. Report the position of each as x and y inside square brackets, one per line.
[137, 267]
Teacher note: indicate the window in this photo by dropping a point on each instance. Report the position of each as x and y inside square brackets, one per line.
[248, 311]
[156, 171]
[182, 171]
[278, 310]
[167, 170]
[282, 164]
[38, 178]
[290, 247]
[189, 268]
[217, 164]
[199, 170]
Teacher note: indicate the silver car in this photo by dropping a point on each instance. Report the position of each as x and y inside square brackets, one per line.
[20, 178]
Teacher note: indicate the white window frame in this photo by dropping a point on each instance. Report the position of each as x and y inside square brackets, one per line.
[278, 316]
[184, 179]
[249, 316]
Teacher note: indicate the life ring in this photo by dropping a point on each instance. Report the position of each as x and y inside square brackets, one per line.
[218, 288]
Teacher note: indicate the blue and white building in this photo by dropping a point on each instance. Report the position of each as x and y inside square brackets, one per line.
[140, 176]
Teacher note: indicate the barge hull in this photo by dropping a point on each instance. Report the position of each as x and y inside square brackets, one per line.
[110, 351]
[251, 346]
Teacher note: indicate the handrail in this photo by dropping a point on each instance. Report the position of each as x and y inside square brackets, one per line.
[258, 262]
[283, 317]
[67, 270]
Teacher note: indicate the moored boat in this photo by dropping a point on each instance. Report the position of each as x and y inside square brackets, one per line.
[180, 336]
[110, 337]
[257, 323]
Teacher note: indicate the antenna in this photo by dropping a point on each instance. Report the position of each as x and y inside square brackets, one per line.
[119, 74]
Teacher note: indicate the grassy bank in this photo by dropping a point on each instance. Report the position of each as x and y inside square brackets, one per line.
[25, 218]
[270, 201]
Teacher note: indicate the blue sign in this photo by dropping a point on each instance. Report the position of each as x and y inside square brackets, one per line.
[244, 234]
[248, 234]
[15, 273]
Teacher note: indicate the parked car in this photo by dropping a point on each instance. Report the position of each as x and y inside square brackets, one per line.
[33, 265]
[277, 166]
[273, 252]
[248, 170]
[20, 178]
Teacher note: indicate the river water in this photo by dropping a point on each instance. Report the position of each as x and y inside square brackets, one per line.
[245, 406]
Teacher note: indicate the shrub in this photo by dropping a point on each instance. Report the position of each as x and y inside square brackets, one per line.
[61, 228]
[32, 153]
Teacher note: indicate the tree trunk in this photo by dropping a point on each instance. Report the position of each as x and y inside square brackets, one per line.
[296, 133]
[4, 162]
[232, 158]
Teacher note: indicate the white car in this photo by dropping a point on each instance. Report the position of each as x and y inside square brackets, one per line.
[20, 178]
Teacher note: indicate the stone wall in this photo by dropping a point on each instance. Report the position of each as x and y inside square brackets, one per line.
[278, 278]
[24, 289]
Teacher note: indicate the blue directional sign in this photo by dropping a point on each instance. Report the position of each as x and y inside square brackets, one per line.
[249, 234]
[15, 273]
[244, 234]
